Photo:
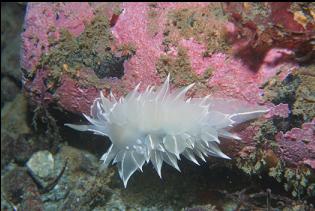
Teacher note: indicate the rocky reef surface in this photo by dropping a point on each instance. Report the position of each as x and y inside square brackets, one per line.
[261, 53]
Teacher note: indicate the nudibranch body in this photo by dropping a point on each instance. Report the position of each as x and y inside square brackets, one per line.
[160, 126]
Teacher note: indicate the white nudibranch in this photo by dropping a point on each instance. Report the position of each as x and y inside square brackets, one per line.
[159, 125]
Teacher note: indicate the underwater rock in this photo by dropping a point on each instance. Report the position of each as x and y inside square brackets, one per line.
[23, 147]
[78, 161]
[216, 73]
[6, 148]
[207, 207]
[9, 90]
[14, 116]
[18, 148]
[298, 144]
[41, 166]
[20, 189]
[80, 174]
[195, 42]
[16, 133]
[11, 25]
[43, 20]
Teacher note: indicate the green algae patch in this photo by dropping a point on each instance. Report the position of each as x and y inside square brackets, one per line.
[153, 15]
[78, 57]
[254, 160]
[177, 66]
[181, 71]
[203, 24]
[127, 49]
[255, 12]
[253, 164]
[304, 104]
[298, 91]
[266, 132]
[298, 181]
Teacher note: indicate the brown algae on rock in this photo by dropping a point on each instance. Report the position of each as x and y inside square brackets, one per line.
[206, 25]
[90, 51]
[180, 69]
[304, 104]
[297, 90]
[298, 181]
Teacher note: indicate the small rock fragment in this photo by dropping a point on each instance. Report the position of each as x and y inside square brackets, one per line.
[41, 166]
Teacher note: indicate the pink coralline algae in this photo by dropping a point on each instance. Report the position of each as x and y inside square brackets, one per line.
[230, 77]
[146, 27]
[281, 110]
[43, 20]
[298, 144]
[306, 133]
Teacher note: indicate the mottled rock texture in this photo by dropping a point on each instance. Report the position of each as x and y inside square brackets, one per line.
[252, 52]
